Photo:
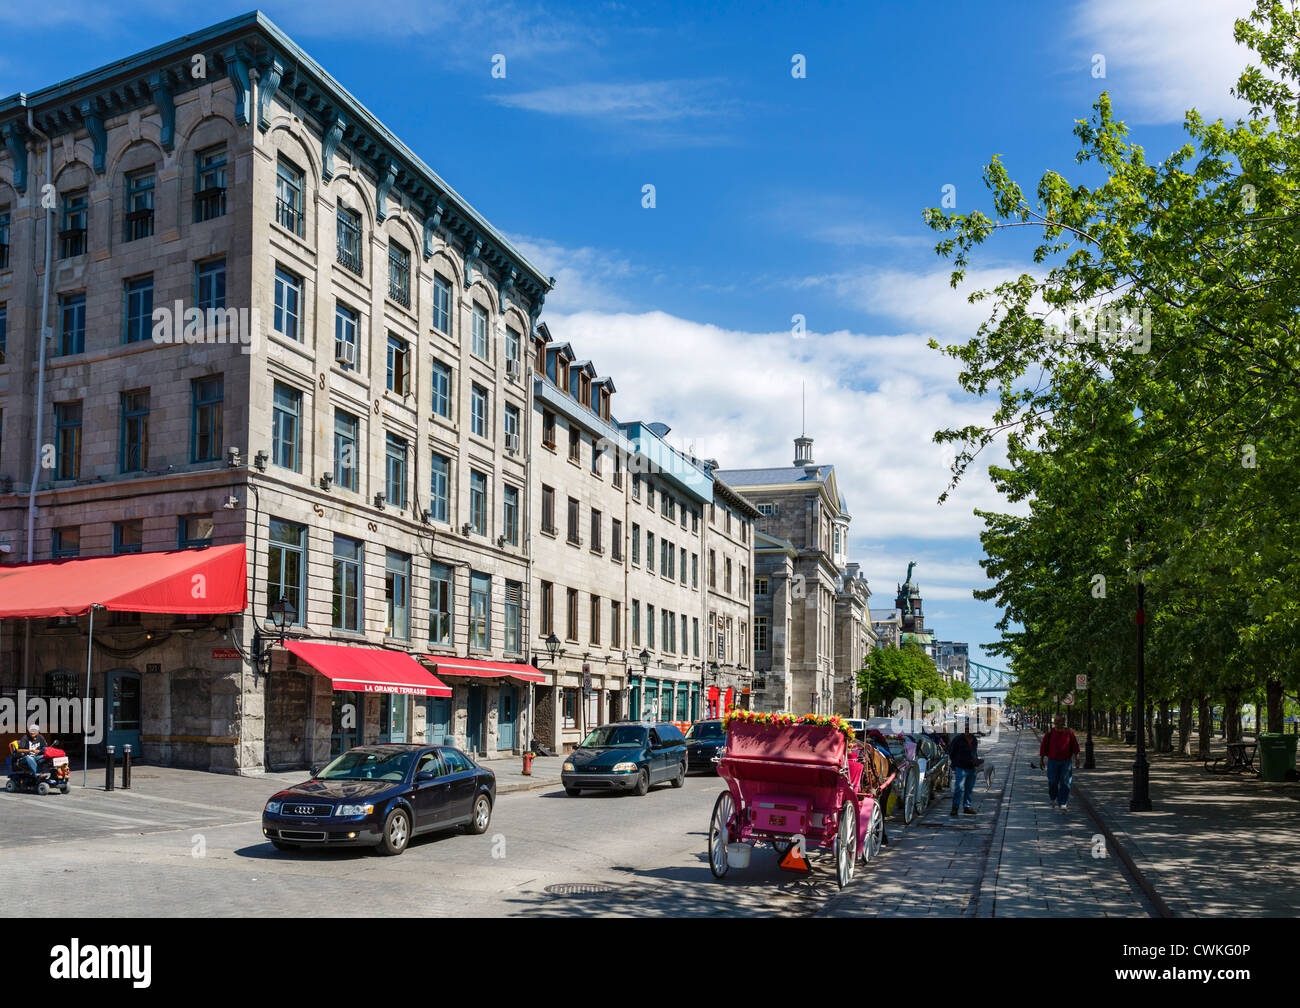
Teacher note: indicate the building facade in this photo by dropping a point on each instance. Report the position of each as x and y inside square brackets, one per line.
[270, 323]
[729, 601]
[804, 522]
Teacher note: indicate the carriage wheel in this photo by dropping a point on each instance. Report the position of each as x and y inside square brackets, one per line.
[846, 845]
[720, 834]
[875, 833]
[923, 794]
[909, 800]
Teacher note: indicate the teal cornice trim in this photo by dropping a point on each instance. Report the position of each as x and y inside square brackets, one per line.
[233, 48]
[160, 88]
[387, 179]
[472, 256]
[15, 138]
[237, 65]
[94, 120]
[432, 221]
[267, 85]
[335, 127]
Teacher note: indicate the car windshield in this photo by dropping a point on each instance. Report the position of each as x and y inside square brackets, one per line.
[710, 731]
[615, 737]
[361, 764]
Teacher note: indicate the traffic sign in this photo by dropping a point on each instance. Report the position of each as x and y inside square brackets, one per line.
[1069, 699]
[1081, 682]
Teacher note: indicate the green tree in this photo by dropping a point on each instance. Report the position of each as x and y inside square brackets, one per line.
[898, 673]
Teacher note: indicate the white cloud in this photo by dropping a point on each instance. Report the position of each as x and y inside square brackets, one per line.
[924, 301]
[873, 405]
[586, 278]
[1164, 57]
[647, 101]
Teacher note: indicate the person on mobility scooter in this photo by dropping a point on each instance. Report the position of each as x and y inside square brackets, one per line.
[35, 766]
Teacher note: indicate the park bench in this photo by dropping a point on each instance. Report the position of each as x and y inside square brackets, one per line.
[1239, 757]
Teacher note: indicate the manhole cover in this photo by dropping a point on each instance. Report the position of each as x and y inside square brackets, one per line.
[579, 889]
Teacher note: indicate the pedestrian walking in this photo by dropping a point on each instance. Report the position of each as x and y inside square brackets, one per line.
[1057, 749]
[963, 752]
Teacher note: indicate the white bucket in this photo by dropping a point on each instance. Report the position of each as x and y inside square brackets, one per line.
[738, 855]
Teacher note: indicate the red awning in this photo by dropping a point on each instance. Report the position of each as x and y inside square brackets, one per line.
[369, 670]
[484, 669]
[199, 582]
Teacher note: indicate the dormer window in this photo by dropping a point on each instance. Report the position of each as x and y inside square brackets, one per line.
[584, 390]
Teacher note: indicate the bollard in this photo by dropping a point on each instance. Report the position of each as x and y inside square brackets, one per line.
[108, 771]
[126, 768]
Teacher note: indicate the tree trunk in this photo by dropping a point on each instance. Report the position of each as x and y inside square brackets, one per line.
[1206, 720]
[1273, 689]
[1164, 720]
[1232, 717]
[1185, 725]
[1151, 726]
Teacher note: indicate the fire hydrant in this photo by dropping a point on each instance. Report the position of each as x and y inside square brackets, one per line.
[528, 764]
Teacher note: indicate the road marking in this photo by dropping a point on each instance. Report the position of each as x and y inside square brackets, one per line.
[56, 808]
[177, 801]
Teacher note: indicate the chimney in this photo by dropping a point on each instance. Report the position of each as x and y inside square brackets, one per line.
[803, 450]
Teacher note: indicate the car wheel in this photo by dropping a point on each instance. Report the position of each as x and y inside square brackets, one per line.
[572, 792]
[643, 783]
[482, 816]
[397, 832]
[281, 845]
[680, 779]
[42, 788]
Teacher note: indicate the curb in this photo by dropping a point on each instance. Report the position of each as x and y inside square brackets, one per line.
[1135, 874]
[533, 786]
[988, 893]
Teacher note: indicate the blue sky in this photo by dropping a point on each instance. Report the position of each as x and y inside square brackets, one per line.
[775, 196]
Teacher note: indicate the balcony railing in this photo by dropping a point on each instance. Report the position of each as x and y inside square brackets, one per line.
[289, 217]
[399, 289]
[350, 259]
[139, 224]
[209, 204]
[72, 243]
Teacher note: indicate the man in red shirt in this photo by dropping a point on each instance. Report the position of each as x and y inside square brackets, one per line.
[1056, 750]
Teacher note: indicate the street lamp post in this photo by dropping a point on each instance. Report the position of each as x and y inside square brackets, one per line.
[644, 658]
[1088, 762]
[1141, 798]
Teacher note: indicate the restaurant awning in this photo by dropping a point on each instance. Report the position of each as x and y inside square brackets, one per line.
[484, 669]
[369, 670]
[200, 582]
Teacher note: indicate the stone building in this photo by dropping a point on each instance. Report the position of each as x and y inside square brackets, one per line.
[270, 323]
[887, 625]
[775, 588]
[802, 510]
[729, 563]
[666, 523]
[579, 545]
[854, 639]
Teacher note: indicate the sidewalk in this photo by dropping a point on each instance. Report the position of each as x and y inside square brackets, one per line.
[1213, 845]
[510, 773]
[1044, 863]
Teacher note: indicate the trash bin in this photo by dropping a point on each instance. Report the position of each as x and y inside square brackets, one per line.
[1164, 737]
[1130, 738]
[1276, 756]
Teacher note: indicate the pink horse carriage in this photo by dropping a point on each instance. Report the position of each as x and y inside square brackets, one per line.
[803, 782]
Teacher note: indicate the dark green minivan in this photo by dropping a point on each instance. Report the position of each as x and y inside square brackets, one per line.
[626, 756]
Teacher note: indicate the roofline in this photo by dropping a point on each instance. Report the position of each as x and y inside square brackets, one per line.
[235, 29]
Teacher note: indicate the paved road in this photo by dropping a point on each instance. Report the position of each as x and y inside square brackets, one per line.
[141, 853]
[181, 843]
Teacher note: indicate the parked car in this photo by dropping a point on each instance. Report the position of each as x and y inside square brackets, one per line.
[704, 743]
[382, 796]
[626, 756]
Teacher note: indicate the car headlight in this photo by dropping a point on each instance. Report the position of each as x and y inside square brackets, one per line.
[353, 810]
[568, 768]
[624, 768]
[273, 807]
